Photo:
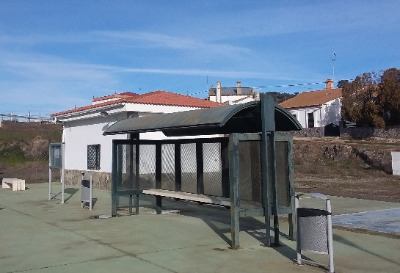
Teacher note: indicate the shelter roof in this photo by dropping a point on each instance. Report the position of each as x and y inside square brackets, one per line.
[313, 98]
[239, 118]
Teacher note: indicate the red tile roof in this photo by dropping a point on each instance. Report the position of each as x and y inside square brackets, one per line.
[120, 95]
[313, 98]
[155, 98]
[173, 99]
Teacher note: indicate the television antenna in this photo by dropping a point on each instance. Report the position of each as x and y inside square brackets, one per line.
[333, 59]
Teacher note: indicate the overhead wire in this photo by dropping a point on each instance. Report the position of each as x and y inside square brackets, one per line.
[271, 86]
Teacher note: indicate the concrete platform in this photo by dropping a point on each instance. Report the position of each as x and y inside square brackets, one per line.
[38, 235]
[385, 221]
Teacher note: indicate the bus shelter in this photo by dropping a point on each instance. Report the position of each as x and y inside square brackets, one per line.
[246, 164]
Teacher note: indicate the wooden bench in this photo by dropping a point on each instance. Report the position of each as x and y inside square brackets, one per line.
[15, 184]
[251, 208]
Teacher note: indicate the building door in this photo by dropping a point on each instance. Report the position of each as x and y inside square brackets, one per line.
[310, 117]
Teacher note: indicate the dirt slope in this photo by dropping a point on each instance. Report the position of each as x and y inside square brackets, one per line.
[353, 168]
[24, 149]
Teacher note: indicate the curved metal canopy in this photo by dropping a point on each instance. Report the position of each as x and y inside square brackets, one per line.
[239, 118]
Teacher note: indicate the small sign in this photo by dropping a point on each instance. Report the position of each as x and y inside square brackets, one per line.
[396, 163]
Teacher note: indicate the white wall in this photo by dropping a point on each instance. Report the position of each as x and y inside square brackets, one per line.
[78, 134]
[331, 112]
[231, 99]
[83, 130]
[325, 114]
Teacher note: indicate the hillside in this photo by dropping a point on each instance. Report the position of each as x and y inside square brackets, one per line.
[353, 168]
[24, 149]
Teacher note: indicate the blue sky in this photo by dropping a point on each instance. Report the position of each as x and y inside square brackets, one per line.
[55, 55]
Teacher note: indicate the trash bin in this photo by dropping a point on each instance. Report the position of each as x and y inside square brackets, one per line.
[86, 192]
[314, 230]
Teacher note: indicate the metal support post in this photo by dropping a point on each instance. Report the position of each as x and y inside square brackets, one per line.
[330, 235]
[91, 191]
[50, 177]
[114, 178]
[62, 173]
[234, 189]
[274, 188]
[267, 138]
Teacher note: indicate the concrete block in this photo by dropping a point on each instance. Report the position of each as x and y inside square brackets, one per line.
[15, 184]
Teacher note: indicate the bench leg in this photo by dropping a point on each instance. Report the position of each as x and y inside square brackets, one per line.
[158, 204]
[137, 203]
[290, 220]
[130, 204]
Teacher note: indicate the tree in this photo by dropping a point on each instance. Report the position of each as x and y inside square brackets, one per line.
[389, 96]
[279, 97]
[373, 99]
[342, 83]
[359, 103]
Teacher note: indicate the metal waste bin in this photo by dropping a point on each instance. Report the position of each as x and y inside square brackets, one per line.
[86, 191]
[314, 230]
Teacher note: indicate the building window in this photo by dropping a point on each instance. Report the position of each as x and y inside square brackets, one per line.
[93, 157]
[310, 120]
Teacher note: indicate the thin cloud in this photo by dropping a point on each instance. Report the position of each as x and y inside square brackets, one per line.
[157, 40]
[125, 39]
[57, 69]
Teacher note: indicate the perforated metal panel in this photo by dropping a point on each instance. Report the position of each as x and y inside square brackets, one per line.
[126, 161]
[189, 167]
[212, 169]
[147, 166]
[250, 173]
[168, 167]
[313, 229]
[282, 173]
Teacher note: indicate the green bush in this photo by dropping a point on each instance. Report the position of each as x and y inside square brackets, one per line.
[12, 156]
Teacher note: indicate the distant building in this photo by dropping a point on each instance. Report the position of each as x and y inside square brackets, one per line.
[232, 95]
[85, 146]
[316, 108]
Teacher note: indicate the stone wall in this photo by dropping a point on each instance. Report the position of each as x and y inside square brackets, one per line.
[101, 180]
[309, 132]
[370, 132]
[356, 132]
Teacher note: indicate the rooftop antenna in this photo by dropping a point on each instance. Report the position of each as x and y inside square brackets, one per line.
[333, 58]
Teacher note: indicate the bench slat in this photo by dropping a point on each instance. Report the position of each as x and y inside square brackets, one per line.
[189, 196]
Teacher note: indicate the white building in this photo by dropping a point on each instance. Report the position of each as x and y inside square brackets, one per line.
[85, 146]
[316, 108]
[232, 95]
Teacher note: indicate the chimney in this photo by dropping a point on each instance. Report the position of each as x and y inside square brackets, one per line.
[239, 88]
[329, 84]
[218, 94]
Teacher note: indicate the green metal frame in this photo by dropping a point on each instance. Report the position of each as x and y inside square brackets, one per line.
[216, 121]
[270, 207]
